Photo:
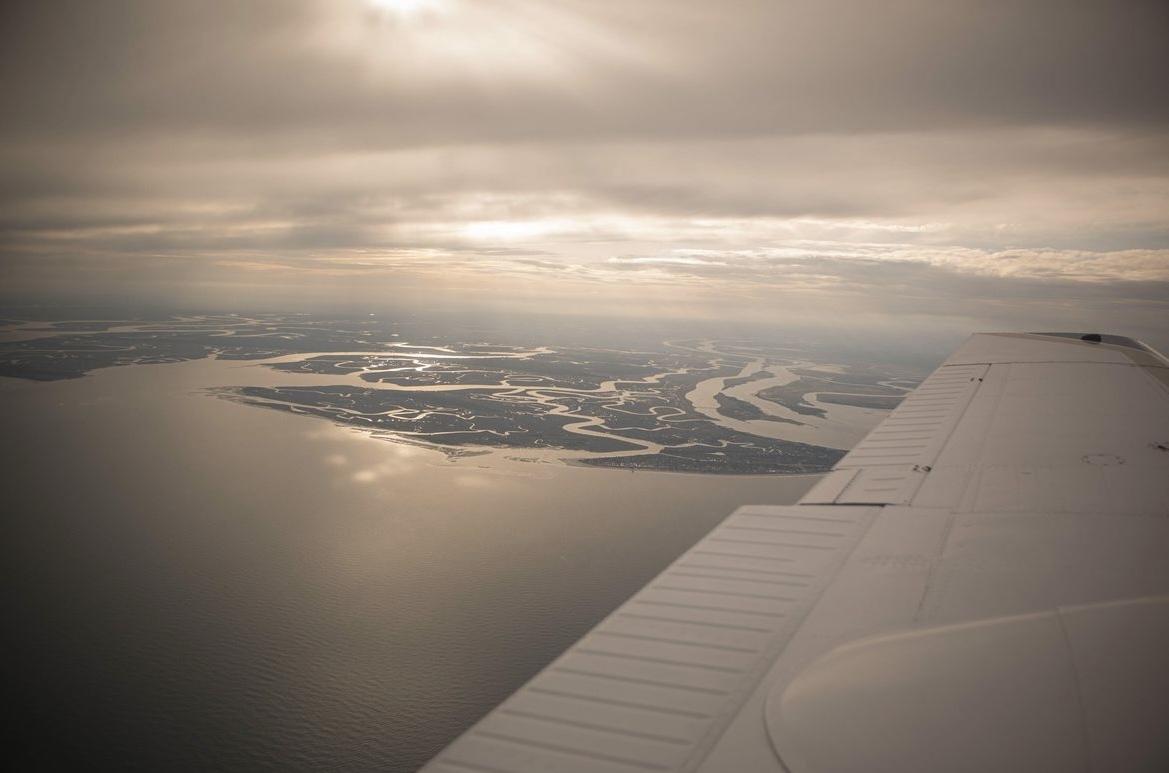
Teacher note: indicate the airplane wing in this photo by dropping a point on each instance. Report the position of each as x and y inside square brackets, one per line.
[981, 584]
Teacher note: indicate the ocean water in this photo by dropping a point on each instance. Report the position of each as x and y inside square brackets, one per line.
[194, 584]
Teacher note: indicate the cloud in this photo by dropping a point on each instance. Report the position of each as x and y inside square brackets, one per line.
[907, 157]
[675, 260]
[331, 70]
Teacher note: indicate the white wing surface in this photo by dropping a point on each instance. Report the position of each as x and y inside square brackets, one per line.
[981, 584]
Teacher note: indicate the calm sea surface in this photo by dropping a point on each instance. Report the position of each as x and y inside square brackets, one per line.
[193, 584]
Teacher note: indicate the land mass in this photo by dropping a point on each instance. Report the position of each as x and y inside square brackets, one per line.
[605, 407]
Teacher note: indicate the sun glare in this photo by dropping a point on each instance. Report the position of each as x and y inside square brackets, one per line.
[406, 7]
[508, 230]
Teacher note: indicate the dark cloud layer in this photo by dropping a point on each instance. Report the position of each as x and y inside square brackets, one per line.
[652, 68]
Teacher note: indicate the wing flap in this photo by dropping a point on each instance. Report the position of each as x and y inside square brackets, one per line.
[675, 661]
[889, 465]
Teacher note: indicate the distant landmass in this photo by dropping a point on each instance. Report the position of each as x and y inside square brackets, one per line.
[706, 406]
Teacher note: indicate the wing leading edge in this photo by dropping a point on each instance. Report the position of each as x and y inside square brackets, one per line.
[982, 583]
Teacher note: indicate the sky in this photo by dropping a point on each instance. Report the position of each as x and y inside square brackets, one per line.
[956, 164]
